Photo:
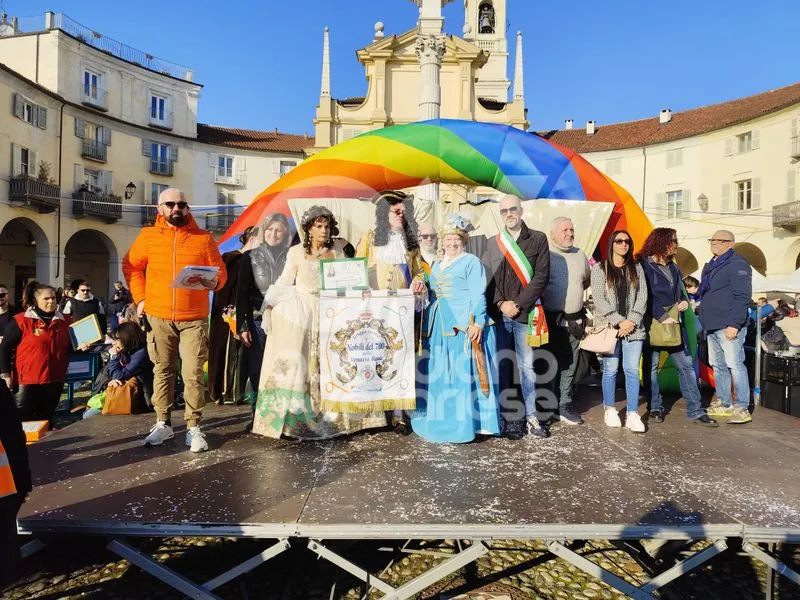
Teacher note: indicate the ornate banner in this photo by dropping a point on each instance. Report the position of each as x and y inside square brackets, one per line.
[367, 351]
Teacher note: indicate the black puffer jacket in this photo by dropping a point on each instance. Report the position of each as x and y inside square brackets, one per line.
[258, 269]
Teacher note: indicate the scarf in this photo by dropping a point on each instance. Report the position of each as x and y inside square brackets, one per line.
[708, 270]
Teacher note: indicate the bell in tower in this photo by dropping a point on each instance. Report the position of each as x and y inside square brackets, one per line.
[486, 18]
[485, 26]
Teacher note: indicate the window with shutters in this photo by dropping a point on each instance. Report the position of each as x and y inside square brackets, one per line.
[744, 142]
[224, 167]
[162, 157]
[30, 112]
[228, 169]
[286, 166]
[160, 113]
[675, 158]
[94, 94]
[744, 194]
[93, 180]
[25, 162]
[155, 191]
[614, 167]
[675, 204]
[96, 139]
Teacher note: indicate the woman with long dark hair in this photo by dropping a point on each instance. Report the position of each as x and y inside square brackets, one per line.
[258, 269]
[226, 357]
[620, 298]
[665, 290]
[39, 342]
[289, 401]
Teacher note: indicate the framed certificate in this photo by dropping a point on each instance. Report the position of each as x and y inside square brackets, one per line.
[85, 331]
[343, 274]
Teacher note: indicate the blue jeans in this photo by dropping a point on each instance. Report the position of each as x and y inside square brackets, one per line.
[631, 352]
[686, 378]
[727, 358]
[516, 331]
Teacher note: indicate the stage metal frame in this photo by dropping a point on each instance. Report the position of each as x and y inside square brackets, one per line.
[555, 537]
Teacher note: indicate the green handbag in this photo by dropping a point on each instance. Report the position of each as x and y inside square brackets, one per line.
[666, 335]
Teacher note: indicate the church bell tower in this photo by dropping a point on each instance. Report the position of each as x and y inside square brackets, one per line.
[485, 26]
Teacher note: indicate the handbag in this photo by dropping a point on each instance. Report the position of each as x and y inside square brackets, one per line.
[666, 335]
[126, 399]
[602, 340]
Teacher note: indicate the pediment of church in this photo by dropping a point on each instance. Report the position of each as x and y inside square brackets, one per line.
[402, 47]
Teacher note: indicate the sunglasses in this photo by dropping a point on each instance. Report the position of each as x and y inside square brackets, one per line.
[506, 211]
[170, 205]
[721, 241]
[621, 241]
[428, 236]
[3, 294]
[85, 290]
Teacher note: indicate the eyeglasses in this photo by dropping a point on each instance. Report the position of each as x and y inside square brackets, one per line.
[720, 241]
[170, 205]
[621, 241]
[510, 211]
[428, 236]
[85, 290]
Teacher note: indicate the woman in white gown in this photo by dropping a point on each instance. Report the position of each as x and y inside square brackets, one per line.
[289, 394]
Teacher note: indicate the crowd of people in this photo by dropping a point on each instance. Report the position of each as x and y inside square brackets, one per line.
[487, 310]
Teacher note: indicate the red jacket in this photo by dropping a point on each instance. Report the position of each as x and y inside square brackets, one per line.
[154, 261]
[42, 355]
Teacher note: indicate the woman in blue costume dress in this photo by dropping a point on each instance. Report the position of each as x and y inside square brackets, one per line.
[457, 402]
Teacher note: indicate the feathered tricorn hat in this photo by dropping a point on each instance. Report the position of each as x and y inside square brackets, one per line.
[458, 225]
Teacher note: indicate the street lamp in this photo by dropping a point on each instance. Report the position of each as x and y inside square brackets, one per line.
[130, 190]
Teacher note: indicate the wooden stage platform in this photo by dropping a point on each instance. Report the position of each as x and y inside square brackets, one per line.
[677, 481]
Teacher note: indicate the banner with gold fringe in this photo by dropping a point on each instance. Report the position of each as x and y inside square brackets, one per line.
[367, 351]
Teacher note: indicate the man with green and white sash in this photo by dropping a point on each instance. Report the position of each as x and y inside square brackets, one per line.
[518, 264]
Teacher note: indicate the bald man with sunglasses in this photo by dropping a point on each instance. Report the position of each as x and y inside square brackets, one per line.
[177, 317]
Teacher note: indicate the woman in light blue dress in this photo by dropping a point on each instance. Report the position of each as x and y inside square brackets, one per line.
[459, 386]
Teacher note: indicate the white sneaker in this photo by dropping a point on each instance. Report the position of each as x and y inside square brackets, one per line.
[612, 417]
[196, 440]
[159, 433]
[634, 422]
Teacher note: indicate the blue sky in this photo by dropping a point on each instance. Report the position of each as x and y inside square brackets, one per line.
[609, 61]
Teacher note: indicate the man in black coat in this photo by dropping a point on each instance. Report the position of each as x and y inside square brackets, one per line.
[85, 304]
[517, 262]
[13, 440]
[119, 300]
[7, 311]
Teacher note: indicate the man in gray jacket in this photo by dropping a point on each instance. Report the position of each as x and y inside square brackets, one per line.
[566, 317]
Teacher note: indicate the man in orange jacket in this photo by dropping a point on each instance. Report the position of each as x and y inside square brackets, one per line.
[178, 317]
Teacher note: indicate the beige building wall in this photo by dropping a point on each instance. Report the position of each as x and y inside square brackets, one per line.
[707, 171]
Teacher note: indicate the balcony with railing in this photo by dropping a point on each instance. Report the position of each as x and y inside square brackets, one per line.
[95, 97]
[162, 120]
[237, 178]
[219, 222]
[161, 167]
[88, 203]
[29, 191]
[786, 216]
[149, 214]
[115, 48]
[94, 150]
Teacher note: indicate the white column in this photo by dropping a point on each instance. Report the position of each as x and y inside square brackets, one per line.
[519, 71]
[430, 49]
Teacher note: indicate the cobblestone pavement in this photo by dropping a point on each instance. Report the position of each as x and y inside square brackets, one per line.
[82, 568]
